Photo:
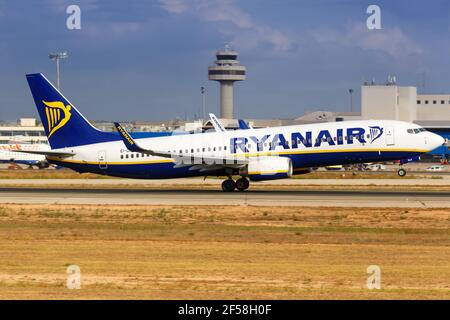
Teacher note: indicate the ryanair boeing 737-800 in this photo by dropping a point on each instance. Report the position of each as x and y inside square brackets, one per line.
[252, 154]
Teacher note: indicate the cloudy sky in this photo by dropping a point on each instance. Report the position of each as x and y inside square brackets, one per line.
[147, 59]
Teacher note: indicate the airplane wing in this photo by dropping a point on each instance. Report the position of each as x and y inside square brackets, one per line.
[196, 161]
[49, 153]
[216, 123]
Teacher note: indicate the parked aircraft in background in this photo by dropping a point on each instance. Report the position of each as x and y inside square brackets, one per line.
[252, 154]
[8, 154]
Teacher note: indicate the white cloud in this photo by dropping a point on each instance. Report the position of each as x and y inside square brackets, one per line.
[61, 5]
[232, 22]
[392, 41]
[174, 6]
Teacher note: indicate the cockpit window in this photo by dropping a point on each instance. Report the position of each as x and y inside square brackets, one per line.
[416, 130]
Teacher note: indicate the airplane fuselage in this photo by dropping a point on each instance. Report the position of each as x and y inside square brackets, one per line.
[311, 145]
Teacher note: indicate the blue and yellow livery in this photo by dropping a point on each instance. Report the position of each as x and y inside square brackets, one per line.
[253, 154]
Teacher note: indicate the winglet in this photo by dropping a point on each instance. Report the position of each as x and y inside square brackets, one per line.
[216, 123]
[243, 125]
[127, 139]
[133, 146]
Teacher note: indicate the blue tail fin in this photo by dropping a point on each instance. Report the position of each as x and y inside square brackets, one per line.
[63, 124]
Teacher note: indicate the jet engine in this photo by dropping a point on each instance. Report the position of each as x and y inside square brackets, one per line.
[268, 168]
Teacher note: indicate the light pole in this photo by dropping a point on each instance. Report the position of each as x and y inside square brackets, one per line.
[203, 91]
[56, 57]
[351, 99]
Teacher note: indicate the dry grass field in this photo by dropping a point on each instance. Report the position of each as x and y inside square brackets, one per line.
[237, 252]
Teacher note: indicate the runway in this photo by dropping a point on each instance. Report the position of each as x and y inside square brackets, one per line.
[213, 197]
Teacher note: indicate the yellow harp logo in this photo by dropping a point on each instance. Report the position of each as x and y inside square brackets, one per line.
[57, 115]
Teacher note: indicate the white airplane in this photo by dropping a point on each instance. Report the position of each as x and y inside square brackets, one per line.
[8, 154]
[252, 154]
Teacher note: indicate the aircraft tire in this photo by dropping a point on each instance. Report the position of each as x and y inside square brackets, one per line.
[228, 185]
[242, 184]
[401, 172]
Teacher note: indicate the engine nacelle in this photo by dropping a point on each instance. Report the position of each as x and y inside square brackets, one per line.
[268, 168]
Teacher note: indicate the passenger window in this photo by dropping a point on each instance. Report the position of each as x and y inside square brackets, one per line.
[132, 155]
[121, 156]
[220, 148]
[126, 156]
[225, 148]
[203, 149]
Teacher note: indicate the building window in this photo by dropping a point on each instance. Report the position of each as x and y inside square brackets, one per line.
[426, 101]
[442, 101]
[418, 101]
[434, 101]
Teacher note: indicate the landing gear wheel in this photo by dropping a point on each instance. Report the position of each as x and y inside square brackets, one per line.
[401, 172]
[242, 184]
[228, 185]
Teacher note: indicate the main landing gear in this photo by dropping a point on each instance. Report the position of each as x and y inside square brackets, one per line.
[401, 172]
[230, 185]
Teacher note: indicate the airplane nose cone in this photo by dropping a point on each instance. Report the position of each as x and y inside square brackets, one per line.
[436, 141]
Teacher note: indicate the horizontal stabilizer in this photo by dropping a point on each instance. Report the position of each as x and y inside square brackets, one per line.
[49, 153]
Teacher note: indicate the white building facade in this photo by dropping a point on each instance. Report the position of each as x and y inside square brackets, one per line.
[392, 102]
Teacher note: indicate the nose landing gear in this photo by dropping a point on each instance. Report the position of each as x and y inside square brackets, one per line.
[230, 185]
[401, 172]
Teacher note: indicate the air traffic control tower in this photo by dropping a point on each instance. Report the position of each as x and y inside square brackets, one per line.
[226, 70]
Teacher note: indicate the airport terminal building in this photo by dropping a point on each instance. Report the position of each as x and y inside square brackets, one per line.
[393, 102]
